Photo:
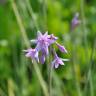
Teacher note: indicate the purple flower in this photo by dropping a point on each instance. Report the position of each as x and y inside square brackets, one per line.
[42, 58]
[61, 48]
[52, 39]
[75, 21]
[31, 53]
[42, 43]
[57, 61]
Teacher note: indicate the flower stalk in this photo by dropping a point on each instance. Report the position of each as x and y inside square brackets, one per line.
[23, 34]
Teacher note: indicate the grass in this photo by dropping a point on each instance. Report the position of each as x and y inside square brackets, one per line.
[19, 24]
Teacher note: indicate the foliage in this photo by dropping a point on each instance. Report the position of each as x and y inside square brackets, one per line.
[17, 74]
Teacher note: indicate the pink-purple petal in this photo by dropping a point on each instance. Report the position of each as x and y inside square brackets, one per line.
[52, 39]
[56, 65]
[39, 34]
[42, 59]
[28, 54]
[61, 48]
[57, 61]
[61, 62]
[75, 21]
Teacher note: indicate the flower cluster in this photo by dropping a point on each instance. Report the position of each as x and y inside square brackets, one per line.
[41, 51]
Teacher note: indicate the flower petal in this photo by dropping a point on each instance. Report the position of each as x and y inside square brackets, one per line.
[61, 62]
[46, 50]
[46, 34]
[36, 57]
[34, 41]
[28, 54]
[75, 21]
[65, 59]
[38, 47]
[61, 48]
[42, 59]
[51, 39]
[56, 65]
[39, 34]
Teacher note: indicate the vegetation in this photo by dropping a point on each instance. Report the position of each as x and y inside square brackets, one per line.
[19, 22]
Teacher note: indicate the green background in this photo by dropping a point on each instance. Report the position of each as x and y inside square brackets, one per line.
[17, 74]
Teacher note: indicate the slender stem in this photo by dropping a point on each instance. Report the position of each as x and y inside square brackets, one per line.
[23, 33]
[20, 23]
[89, 77]
[45, 13]
[50, 80]
[2, 93]
[75, 76]
[59, 84]
[89, 74]
[50, 70]
[74, 65]
[42, 82]
[83, 22]
[31, 13]
[10, 88]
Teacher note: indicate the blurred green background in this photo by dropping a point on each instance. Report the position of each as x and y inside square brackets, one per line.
[17, 75]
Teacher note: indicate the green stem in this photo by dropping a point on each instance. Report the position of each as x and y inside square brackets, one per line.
[50, 80]
[19, 21]
[45, 14]
[89, 75]
[31, 13]
[23, 33]
[75, 76]
[42, 82]
[77, 84]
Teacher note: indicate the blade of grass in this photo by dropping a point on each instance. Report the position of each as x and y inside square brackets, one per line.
[10, 88]
[89, 75]
[73, 66]
[2, 93]
[43, 84]
[20, 24]
[23, 33]
[31, 13]
[45, 14]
